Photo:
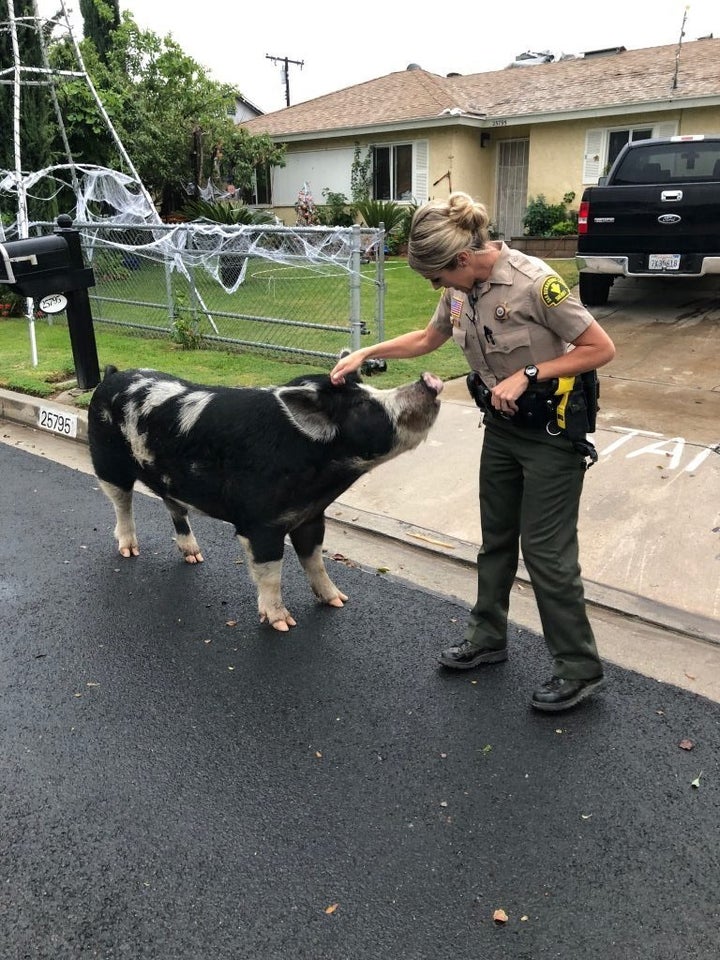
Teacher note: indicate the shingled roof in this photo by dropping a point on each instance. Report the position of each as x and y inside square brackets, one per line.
[590, 85]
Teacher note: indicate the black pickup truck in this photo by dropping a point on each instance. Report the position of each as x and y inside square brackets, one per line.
[656, 214]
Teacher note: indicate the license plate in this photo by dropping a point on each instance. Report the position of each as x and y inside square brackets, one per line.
[664, 261]
[56, 422]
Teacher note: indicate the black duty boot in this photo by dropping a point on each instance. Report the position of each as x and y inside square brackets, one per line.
[560, 694]
[467, 656]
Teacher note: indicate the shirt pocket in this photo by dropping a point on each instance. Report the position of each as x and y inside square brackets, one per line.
[507, 341]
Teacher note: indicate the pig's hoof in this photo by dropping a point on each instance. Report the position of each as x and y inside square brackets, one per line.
[279, 621]
[129, 550]
[338, 601]
[189, 548]
[193, 557]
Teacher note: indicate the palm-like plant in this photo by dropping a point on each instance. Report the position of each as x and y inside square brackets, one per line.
[387, 212]
[226, 211]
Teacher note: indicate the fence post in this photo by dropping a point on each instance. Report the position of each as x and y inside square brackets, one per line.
[380, 281]
[356, 324]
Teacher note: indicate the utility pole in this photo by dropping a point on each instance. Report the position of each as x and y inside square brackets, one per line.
[286, 73]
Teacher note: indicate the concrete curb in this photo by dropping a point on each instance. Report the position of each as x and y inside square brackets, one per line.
[24, 409]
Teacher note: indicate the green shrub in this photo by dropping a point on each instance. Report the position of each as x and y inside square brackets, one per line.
[563, 228]
[543, 219]
[336, 211]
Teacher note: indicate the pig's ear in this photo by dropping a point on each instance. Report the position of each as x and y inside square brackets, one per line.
[304, 406]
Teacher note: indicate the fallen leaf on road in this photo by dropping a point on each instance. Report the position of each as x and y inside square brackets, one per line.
[500, 916]
[696, 781]
[686, 744]
[332, 908]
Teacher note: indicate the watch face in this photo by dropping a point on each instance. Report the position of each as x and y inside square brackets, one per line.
[531, 371]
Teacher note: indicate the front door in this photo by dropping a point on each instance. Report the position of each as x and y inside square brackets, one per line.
[512, 182]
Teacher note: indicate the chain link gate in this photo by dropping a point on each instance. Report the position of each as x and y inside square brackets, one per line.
[302, 291]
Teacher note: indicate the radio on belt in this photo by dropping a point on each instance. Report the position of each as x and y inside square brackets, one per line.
[39, 266]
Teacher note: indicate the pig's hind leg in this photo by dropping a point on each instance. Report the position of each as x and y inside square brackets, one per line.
[184, 537]
[307, 539]
[125, 532]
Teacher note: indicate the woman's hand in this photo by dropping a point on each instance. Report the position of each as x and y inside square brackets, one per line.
[347, 364]
[506, 392]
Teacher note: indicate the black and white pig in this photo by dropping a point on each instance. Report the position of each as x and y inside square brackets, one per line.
[266, 460]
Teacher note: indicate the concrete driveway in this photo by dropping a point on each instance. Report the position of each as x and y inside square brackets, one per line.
[666, 375]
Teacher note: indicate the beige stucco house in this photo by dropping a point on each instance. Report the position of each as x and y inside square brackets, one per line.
[503, 136]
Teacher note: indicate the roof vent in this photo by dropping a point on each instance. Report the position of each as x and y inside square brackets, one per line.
[413, 66]
[606, 51]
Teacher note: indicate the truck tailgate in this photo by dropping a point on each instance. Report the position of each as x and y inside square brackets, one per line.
[653, 219]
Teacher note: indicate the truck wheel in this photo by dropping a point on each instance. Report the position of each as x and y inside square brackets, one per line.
[594, 288]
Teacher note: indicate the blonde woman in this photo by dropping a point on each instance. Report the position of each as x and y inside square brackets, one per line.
[527, 342]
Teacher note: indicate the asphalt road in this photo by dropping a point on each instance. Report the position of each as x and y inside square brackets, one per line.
[182, 783]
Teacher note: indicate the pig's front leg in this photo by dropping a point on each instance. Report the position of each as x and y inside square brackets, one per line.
[307, 540]
[267, 578]
[184, 536]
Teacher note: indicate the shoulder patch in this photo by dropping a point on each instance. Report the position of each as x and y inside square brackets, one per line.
[554, 290]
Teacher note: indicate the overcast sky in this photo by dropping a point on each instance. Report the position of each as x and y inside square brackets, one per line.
[344, 45]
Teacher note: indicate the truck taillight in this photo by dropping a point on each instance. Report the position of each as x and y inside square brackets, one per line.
[583, 216]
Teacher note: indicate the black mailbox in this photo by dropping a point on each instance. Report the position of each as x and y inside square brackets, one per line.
[39, 266]
[42, 265]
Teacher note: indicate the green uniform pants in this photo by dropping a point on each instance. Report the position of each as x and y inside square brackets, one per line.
[530, 486]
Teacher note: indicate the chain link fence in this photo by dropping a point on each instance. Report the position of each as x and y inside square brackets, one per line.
[306, 291]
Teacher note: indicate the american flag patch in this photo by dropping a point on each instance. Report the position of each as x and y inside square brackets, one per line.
[456, 308]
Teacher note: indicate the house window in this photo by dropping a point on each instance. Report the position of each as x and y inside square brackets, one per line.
[603, 144]
[618, 138]
[392, 171]
[260, 191]
[263, 191]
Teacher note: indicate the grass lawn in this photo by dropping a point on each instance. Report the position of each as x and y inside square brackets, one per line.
[409, 304]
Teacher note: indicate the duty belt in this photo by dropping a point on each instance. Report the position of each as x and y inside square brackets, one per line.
[565, 405]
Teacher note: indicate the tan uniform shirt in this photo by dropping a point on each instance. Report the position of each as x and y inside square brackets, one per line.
[522, 314]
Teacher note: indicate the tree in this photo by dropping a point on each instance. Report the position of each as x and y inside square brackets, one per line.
[100, 19]
[173, 119]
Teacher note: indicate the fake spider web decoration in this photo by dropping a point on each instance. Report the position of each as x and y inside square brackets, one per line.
[112, 211]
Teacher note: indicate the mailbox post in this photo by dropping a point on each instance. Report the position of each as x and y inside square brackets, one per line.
[39, 266]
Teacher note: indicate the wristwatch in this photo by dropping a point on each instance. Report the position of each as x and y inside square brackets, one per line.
[531, 372]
